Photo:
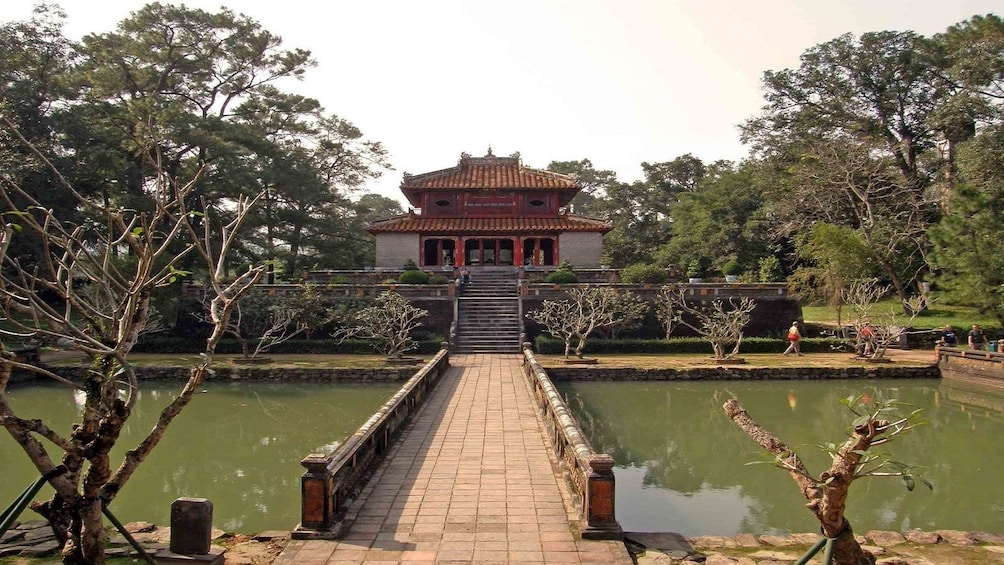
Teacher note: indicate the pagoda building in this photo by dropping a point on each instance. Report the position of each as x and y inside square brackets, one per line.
[489, 211]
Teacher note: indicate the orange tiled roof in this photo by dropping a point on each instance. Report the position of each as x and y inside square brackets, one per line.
[488, 173]
[413, 224]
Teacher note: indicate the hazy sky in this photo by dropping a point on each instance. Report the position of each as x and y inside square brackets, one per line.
[618, 82]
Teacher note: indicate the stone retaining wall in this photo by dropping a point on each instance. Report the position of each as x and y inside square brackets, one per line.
[724, 373]
[981, 367]
[263, 374]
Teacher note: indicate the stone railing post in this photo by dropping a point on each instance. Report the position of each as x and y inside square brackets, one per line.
[317, 485]
[601, 522]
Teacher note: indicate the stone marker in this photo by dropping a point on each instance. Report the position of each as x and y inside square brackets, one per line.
[191, 524]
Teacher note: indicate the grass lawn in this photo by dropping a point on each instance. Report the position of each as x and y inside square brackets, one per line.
[937, 316]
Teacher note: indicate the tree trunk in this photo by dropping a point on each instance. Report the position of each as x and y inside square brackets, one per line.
[827, 495]
[86, 545]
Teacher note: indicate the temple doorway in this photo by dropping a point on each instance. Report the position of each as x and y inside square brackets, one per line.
[489, 251]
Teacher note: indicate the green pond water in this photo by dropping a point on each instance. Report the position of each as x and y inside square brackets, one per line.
[682, 464]
[239, 445]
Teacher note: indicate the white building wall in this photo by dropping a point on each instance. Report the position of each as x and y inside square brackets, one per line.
[393, 249]
[581, 249]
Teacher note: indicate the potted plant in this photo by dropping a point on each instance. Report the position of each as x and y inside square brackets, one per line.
[695, 272]
[731, 269]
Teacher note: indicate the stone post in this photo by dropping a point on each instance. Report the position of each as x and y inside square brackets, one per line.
[317, 494]
[601, 522]
[191, 526]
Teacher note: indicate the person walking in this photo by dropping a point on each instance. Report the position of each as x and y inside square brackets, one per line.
[794, 335]
[977, 340]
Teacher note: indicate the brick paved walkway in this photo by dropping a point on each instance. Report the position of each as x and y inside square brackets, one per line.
[470, 481]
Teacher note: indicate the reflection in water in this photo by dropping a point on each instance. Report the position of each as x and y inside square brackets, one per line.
[682, 465]
[239, 445]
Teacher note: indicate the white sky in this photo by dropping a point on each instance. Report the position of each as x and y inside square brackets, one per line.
[618, 82]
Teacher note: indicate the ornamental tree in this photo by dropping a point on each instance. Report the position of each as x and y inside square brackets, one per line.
[586, 309]
[389, 322]
[719, 325]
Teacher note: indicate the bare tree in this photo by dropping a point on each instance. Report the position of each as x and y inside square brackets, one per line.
[575, 319]
[875, 331]
[629, 311]
[850, 183]
[719, 325]
[389, 322]
[827, 492]
[665, 310]
[259, 324]
[52, 301]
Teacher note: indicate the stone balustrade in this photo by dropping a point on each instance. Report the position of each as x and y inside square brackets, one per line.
[590, 474]
[331, 481]
[983, 367]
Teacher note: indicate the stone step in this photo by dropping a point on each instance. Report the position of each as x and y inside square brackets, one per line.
[482, 328]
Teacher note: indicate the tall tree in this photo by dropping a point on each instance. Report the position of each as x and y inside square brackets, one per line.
[719, 220]
[595, 183]
[876, 93]
[34, 56]
[967, 256]
[682, 174]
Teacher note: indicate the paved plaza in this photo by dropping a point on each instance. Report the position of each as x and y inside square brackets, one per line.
[471, 480]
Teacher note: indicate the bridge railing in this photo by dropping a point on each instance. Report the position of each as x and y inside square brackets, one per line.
[986, 367]
[332, 481]
[591, 475]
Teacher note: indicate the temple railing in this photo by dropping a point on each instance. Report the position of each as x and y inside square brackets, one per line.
[332, 481]
[590, 474]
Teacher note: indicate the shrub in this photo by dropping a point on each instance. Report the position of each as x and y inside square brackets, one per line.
[642, 273]
[410, 265]
[695, 269]
[414, 277]
[561, 276]
[687, 345]
[438, 279]
[732, 267]
[338, 279]
[770, 269]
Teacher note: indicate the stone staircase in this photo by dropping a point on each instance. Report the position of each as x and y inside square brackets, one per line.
[488, 312]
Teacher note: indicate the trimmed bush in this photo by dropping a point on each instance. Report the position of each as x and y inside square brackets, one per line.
[414, 277]
[690, 345]
[299, 346]
[642, 273]
[562, 276]
[438, 279]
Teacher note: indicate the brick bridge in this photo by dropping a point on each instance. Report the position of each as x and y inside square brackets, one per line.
[471, 477]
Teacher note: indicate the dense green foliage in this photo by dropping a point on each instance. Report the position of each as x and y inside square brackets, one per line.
[878, 155]
[562, 276]
[642, 273]
[160, 344]
[205, 87]
[414, 277]
[551, 346]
